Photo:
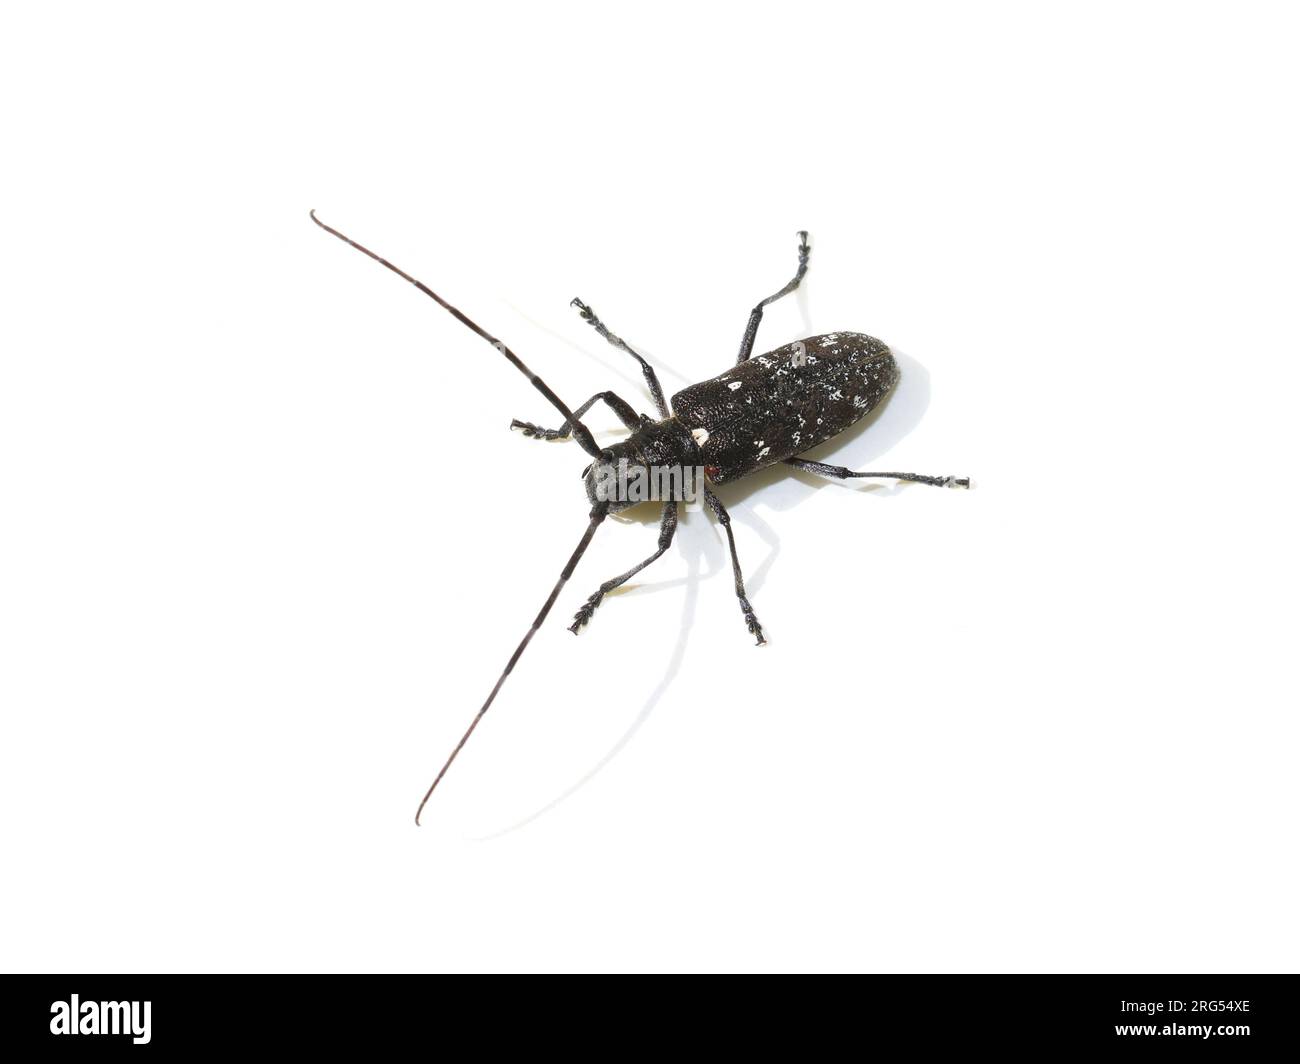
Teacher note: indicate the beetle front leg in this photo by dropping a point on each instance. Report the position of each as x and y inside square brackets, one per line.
[667, 528]
[724, 518]
[647, 370]
[625, 413]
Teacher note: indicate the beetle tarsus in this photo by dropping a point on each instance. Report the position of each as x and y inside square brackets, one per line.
[535, 432]
[751, 622]
[585, 611]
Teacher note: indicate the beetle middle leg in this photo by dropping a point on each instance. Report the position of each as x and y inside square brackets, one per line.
[841, 473]
[651, 377]
[724, 518]
[621, 407]
[756, 315]
[667, 529]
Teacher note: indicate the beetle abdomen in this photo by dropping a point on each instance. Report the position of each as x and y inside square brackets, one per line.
[782, 403]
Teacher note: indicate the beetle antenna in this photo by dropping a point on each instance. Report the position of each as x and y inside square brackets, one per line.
[598, 513]
[580, 431]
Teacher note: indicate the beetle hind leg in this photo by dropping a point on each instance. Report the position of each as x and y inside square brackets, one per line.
[841, 473]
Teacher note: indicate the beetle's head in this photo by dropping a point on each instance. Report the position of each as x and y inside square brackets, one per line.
[614, 478]
[658, 463]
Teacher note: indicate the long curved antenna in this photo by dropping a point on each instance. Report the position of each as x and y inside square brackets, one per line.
[598, 514]
[580, 431]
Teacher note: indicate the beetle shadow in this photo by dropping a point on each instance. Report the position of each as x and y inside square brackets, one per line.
[694, 552]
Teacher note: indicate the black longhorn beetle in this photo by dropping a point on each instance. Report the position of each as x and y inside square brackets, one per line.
[764, 410]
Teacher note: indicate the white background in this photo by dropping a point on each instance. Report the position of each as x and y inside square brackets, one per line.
[267, 540]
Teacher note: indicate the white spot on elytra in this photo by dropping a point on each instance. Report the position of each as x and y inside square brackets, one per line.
[734, 385]
[701, 436]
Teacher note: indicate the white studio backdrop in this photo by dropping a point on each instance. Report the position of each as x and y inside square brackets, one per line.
[268, 541]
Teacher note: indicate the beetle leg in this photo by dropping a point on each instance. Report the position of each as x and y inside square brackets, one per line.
[840, 473]
[724, 518]
[756, 315]
[647, 370]
[667, 528]
[624, 411]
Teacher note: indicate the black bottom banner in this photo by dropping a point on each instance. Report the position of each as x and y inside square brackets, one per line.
[1226, 1016]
